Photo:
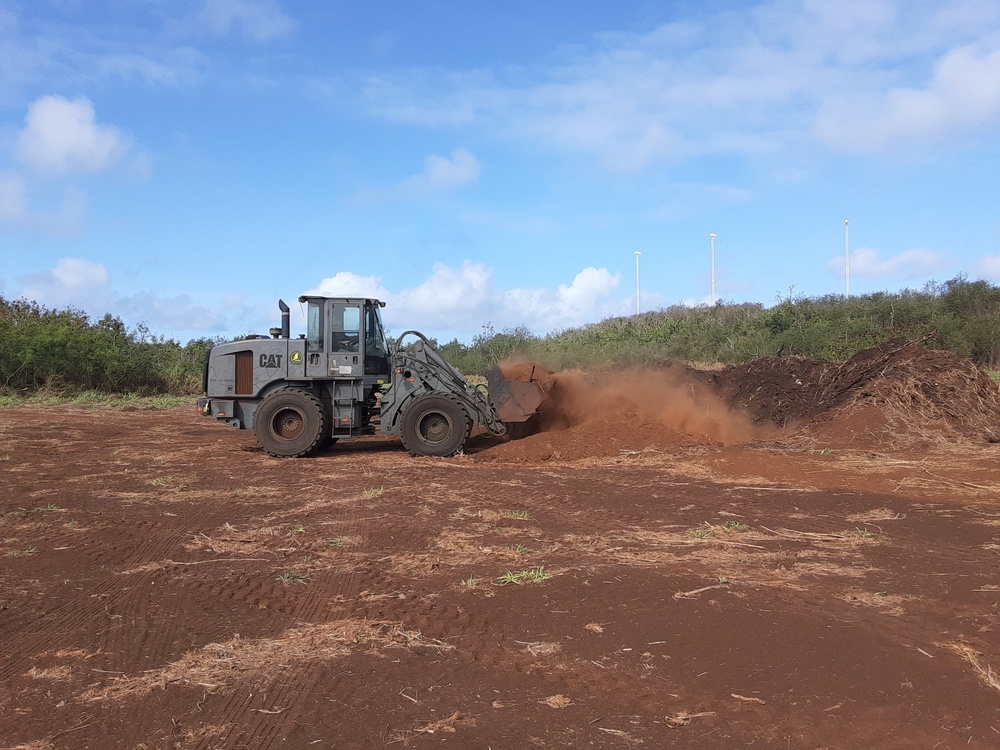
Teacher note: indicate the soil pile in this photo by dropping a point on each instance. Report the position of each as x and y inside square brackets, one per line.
[911, 393]
[780, 390]
[898, 393]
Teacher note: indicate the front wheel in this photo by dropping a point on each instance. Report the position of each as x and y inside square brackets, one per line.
[435, 426]
[290, 423]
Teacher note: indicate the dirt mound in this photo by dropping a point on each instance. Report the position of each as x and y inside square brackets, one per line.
[898, 393]
[904, 392]
[780, 390]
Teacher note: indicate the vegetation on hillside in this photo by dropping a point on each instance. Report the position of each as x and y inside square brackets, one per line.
[64, 351]
[962, 315]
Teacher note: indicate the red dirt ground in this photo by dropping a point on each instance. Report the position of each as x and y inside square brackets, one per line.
[787, 554]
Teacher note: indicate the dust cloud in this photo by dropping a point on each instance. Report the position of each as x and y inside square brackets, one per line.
[574, 398]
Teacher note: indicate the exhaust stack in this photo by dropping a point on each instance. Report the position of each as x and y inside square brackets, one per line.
[286, 325]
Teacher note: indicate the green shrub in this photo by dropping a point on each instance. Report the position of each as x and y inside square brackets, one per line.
[63, 352]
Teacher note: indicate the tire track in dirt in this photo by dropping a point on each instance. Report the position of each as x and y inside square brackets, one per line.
[580, 513]
[324, 599]
[602, 519]
[365, 592]
[487, 644]
[484, 643]
[106, 599]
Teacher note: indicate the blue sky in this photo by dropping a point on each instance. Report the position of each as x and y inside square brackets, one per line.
[185, 163]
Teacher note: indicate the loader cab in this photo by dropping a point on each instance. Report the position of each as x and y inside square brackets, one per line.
[345, 338]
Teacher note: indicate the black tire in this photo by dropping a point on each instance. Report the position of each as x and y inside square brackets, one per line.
[290, 423]
[435, 426]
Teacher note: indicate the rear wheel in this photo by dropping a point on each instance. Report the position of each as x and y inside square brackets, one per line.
[435, 426]
[290, 423]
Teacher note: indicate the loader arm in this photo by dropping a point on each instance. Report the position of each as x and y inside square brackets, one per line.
[418, 369]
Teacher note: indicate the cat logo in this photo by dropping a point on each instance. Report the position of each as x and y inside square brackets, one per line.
[270, 361]
[295, 358]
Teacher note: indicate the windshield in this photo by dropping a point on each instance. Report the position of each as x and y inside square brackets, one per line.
[375, 336]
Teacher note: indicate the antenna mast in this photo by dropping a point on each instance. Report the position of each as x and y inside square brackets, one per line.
[847, 260]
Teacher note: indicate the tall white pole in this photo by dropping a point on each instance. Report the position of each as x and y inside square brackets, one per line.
[847, 260]
[712, 237]
[637, 254]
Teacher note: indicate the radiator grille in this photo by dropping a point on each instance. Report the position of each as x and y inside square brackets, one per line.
[244, 373]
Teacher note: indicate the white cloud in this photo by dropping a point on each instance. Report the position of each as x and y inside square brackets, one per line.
[167, 67]
[348, 284]
[590, 286]
[963, 95]
[910, 264]
[16, 213]
[13, 203]
[87, 286]
[441, 174]
[589, 298]
[62, 136]
[257, 20]
[459, 300]
[169, 313]
[682, 199]
[766, 78]
[73, 282]
[989, 267]
[451, 301]
[448, 296]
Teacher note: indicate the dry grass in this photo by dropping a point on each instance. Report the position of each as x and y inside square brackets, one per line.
[229, 540]
[50, 673]
[218, 664]
[876, 514]
[890, 604]
[449, 724]
[557, 701]
[742, 560]
[983, 670]
[684, 718]
[540, 648]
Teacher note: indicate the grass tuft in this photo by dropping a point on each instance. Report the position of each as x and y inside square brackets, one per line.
[23, 552]
[531, 575]
[520, 515]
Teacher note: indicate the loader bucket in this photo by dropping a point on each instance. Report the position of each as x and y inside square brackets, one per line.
[514, 400]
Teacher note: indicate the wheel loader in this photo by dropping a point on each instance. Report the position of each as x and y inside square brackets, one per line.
[344, 379]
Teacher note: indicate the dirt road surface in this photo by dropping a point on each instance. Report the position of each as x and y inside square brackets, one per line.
[165, 584]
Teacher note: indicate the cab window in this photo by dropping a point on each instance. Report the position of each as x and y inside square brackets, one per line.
[345, 328]
[374, 336]
[376, 349]
[314, 327]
